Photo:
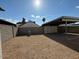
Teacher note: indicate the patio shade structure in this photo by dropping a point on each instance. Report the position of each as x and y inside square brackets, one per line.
[62, 20]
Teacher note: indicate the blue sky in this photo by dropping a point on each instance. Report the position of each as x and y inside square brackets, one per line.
[50, 9]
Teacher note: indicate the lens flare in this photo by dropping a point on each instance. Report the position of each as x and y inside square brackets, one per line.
[37, 3]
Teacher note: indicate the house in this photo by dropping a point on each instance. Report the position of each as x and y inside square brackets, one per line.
[30, 26]
[7, 30]
[54, 25]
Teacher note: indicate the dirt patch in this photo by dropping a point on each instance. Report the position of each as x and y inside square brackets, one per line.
[36, 47]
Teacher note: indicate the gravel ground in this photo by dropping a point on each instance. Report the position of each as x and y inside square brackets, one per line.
[37, 47]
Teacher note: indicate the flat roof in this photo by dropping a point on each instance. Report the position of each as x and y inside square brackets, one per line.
[6, 22]
[62, 20]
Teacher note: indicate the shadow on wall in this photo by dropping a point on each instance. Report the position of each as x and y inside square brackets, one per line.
[70, 41]
[29, 31]
[28, 34]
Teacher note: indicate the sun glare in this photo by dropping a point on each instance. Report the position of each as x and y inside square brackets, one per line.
[37, 3]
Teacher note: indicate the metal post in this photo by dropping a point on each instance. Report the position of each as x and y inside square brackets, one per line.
[66, 26]
[43, 30]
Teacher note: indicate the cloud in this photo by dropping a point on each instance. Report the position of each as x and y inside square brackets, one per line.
[36, 17]
[15, 21]
[10, 20]
[77, 6]
[26, 20]
[33, 16]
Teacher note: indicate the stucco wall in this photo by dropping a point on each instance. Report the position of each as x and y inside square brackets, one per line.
[50, 29]
[34, 30]
[73, 29]
[7, 32]
[61, 29]
[70, 29]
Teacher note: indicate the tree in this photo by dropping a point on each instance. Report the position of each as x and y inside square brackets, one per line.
[23, 21]
[1, 9]
[43, 20]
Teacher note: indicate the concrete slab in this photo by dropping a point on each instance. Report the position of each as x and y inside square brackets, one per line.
[72, 33]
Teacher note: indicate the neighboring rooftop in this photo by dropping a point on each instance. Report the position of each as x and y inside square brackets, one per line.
[62, 20]
[29, 24]
[2, 21]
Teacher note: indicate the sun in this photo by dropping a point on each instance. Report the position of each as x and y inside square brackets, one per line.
[37, 3]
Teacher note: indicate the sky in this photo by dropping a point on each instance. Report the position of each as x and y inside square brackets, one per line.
[35, 10]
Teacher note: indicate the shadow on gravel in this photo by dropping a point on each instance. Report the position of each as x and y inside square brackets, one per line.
[70, 41]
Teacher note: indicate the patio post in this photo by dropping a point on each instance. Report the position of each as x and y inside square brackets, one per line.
[66, 26]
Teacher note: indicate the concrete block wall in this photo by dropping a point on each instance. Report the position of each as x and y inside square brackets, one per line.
[7, 32]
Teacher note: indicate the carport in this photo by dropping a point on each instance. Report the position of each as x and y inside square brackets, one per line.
[61, 20]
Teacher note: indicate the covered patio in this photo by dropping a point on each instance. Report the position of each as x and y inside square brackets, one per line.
[58, 21]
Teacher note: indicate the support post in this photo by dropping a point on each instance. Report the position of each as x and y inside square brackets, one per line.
[66, 26]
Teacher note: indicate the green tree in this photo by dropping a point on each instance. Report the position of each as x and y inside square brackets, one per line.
[44, 19]
[23, 21]
[1, 9]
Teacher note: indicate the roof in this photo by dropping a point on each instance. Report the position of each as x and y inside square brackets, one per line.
[29, 24]
[6, 22]
[62, 20]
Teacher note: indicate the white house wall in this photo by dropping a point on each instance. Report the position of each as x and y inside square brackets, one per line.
[50, 29]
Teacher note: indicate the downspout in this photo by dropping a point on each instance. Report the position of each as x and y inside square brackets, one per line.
[13, 31]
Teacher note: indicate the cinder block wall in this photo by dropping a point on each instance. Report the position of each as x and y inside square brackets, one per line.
[7, 32]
